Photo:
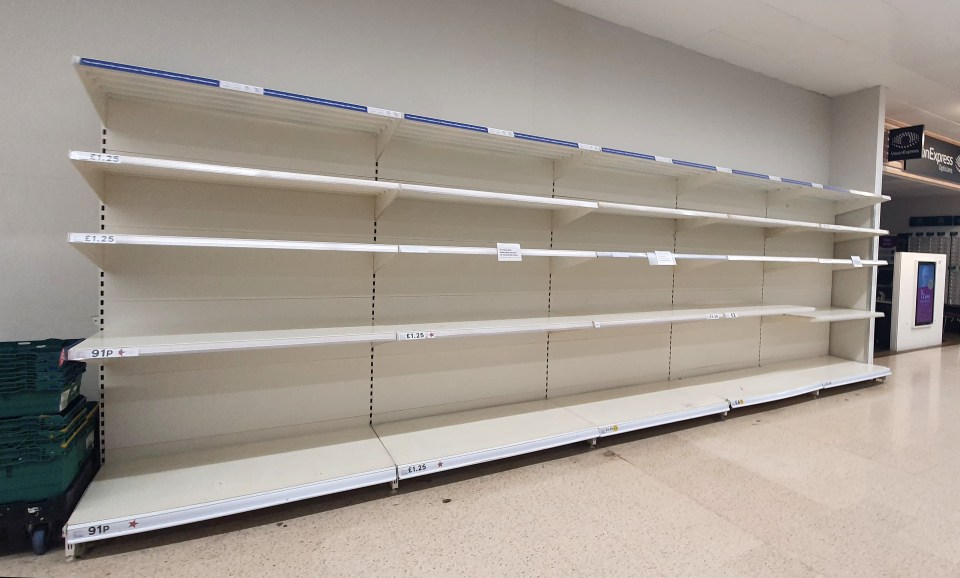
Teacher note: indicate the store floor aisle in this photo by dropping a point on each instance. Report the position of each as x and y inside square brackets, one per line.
[860, 482]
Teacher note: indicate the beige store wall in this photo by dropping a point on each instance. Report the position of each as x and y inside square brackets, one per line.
[527, 65]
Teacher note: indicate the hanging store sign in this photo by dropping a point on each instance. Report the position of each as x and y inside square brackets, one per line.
[939, 160]
[905, 143]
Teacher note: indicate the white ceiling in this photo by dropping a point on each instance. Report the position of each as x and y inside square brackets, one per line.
[832, 47]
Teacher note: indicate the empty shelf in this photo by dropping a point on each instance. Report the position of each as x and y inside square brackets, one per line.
[133, 496]
[102, 78]
[831, 314]
[431, 444]
[104, 346]
[642, 406]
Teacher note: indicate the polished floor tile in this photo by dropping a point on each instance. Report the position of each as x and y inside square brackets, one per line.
[861, 481]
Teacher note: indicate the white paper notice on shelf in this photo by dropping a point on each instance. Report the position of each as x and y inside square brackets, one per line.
[661, 258]
[509, 252]
[385, 112]
[241, 87]
[857, 261]
[415, 335]
[104, 353]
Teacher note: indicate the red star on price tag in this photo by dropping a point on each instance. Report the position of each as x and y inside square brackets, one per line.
[133, 523]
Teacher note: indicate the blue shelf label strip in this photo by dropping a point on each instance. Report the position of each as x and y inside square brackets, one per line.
[547, 140]
[163, 74]
[628, 154]
[441, 122]
[313, 100]
[107, 65]
[694, 165]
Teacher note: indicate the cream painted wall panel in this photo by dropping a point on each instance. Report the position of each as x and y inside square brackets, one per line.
[591, 360]
[148, 206]
[186, 133]
[785, 338]
[712, 347]
[454, 166]
[429, 377]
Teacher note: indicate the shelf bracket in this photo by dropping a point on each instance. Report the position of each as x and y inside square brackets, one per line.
[384, 200]
[686, 185]
[381, 259]
[689, 224]
[560, 263]
[562, 167]
[385, 136]
[563, 217]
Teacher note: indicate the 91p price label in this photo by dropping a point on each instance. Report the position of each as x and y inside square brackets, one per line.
[106, 353]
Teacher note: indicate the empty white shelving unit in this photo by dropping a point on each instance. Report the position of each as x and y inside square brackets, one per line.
[303, 296]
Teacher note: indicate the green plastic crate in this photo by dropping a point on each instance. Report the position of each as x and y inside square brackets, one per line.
[51, 399]
[33, 356]
[57, 428]
[40, 471]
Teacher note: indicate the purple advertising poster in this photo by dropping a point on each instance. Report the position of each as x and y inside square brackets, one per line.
[926, 281]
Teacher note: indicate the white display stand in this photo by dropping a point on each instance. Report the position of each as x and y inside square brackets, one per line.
[303, 296]
[905, 333]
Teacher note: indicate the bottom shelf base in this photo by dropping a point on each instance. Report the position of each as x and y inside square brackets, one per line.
[148, 494]
[128, 497]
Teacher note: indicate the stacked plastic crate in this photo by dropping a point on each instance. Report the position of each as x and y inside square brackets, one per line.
[47, 429]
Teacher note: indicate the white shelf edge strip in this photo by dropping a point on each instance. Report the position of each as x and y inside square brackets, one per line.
[437, 193]
[112, 348]
[431, 466]
[78, 534]
[106, 238]
[92, 64]
[662, 419]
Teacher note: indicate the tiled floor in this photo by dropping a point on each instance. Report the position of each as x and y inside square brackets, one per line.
[860, 482]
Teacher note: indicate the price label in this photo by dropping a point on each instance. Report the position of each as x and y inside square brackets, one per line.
[500, 132]
[724, 170]
[414, 335]
[713, 316]
[662, 258]
[777, 179]
[827, 383]
[817, 185]
[736, 402]
[509, 252]
[108, 239]
[731, 315]
[104, 158]
[663, 159]
[608, 429]
[857, 261]
[415, 468]
[248, 88]
[588, 147]
[106, 353]
[384, 112]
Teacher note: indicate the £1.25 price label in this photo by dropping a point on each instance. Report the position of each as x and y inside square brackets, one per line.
[415, 335]
[95, 238]
[104, 158]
